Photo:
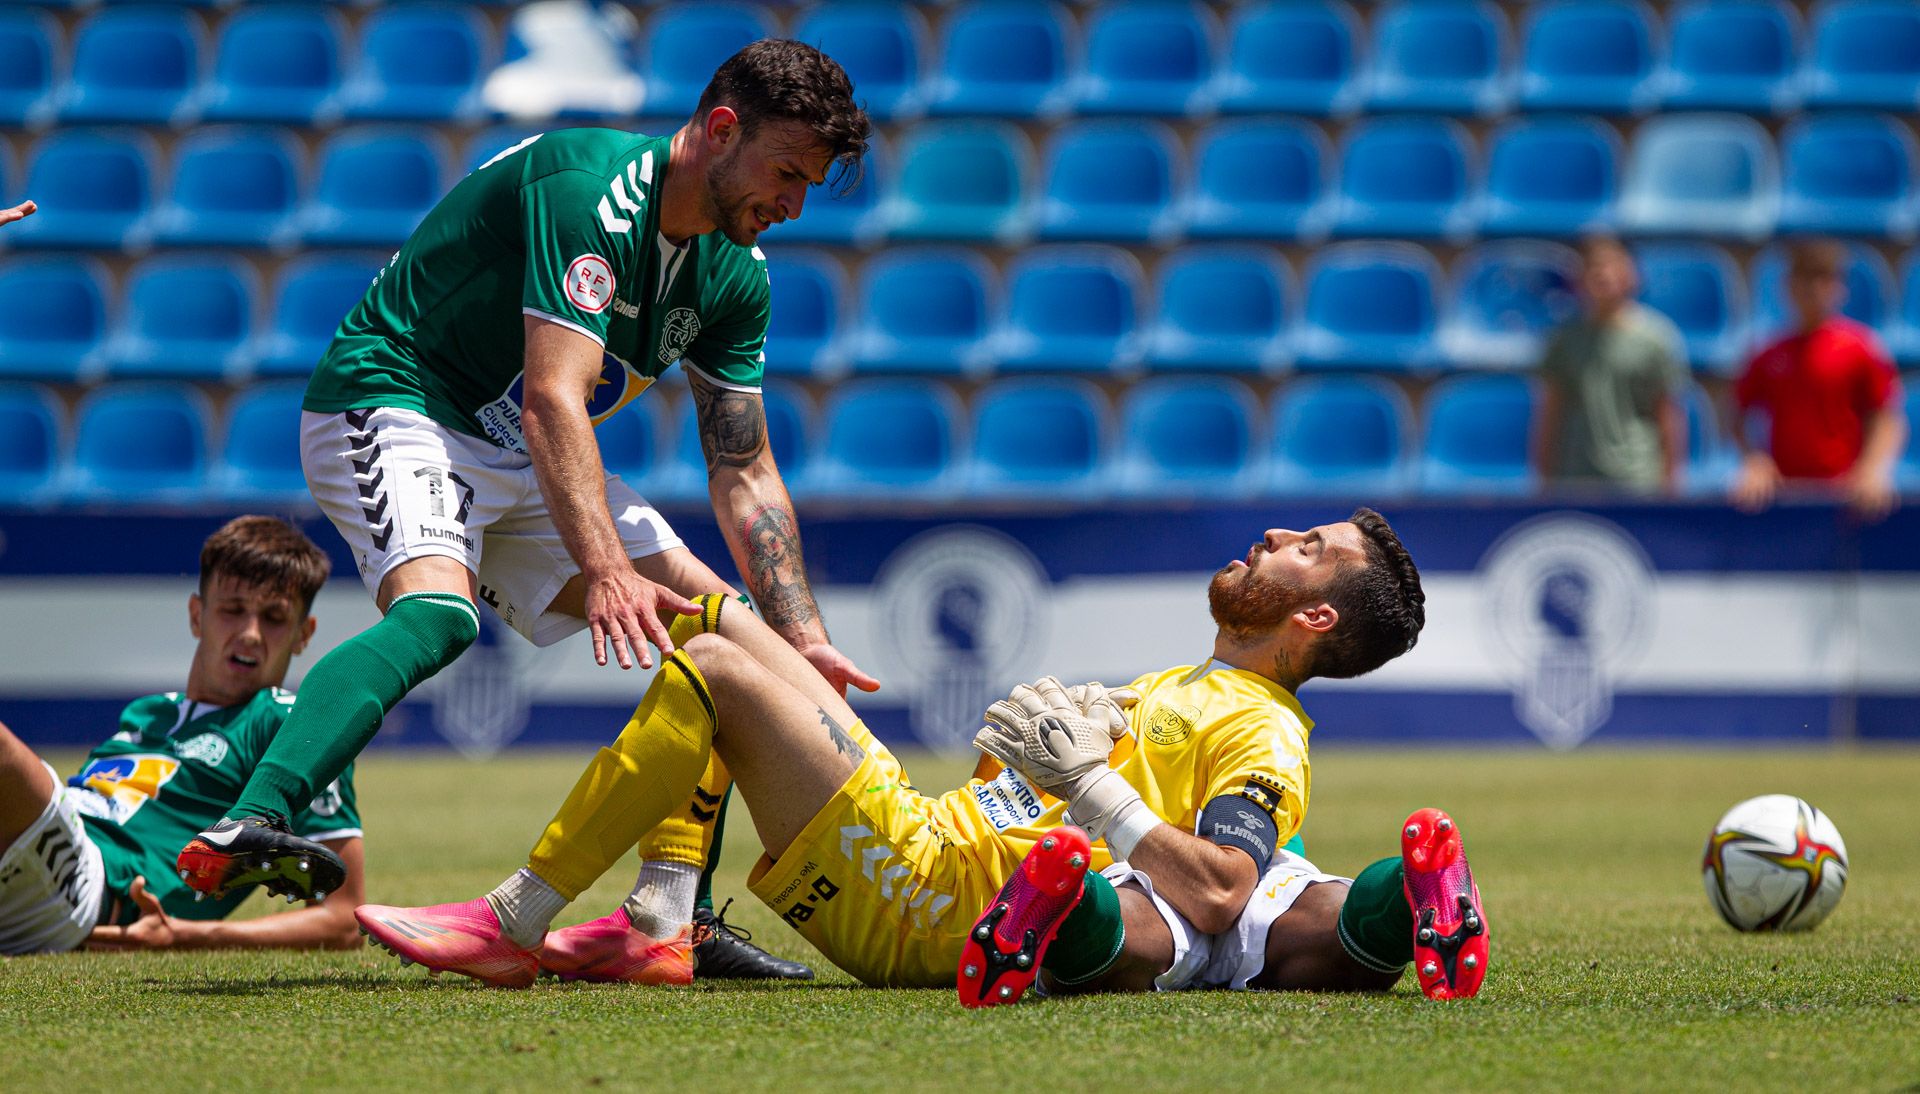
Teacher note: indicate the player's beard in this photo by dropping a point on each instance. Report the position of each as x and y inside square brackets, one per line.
[728, 202]
[1247, 605]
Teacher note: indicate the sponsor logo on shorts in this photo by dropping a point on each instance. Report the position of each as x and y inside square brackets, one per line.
[589, 284]
[1171, 725]
[1008, 800]
[822, 890]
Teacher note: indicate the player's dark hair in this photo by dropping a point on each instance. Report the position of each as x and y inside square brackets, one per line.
[778, 79]
[266, 551]
[1381, 605]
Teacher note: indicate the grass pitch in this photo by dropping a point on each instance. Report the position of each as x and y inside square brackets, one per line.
[1609, 968]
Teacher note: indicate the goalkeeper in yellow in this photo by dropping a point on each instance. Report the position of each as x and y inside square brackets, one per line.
[1134, 839]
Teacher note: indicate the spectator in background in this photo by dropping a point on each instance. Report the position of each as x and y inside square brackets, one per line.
[1613, 380]
[1830, 395]
[24, 209]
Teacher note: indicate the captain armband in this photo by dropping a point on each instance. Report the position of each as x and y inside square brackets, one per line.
[1231, 820]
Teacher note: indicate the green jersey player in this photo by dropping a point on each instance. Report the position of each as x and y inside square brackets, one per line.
[448, 432]
[90, 861]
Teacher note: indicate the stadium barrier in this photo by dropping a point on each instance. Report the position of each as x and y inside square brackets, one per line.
[1547, 625]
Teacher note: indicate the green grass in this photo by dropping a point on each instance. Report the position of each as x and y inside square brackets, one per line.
[1609, 968]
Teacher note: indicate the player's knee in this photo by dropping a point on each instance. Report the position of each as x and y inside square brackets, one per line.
[717, 657]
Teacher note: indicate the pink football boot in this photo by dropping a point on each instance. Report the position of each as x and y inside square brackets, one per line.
[1003, 951]
[463, 938]
[610, 950]
[1449, 930]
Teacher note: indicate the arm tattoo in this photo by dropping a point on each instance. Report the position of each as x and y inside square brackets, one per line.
[842, 740]
[733, 424]
[776, 575]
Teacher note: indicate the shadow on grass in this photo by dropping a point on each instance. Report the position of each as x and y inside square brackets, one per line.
[267, 985]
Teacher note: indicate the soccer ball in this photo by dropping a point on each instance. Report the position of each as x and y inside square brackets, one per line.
[1774, 863]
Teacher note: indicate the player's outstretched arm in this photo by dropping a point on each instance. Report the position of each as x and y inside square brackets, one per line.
[755, 514]
[320, 925]
[621, 606]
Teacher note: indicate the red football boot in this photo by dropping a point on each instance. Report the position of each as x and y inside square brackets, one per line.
[1003, 951]
[1449, 929]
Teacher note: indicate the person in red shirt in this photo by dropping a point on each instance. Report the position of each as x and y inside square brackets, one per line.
[1830, 394]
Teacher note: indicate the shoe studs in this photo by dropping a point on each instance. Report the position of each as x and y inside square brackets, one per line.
[320, 897]
[198, 896]
[971, 971]
[184, 875]
[303, 865]
[1426, 936]
[1023, 960]
[1429, 970]
[1444, 824]
[1047, 844]
[1413, 831]
[1076, 860]
[1006, 991]
[1470, 961]
[982, 932]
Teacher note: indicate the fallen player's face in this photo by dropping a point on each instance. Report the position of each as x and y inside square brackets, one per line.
[1285, 572]
[763, 179]
[248, 636]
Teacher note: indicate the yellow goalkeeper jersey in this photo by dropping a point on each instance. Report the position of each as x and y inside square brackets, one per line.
[1197, 733]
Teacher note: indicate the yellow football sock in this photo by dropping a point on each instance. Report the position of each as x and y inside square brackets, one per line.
[686, 836]
[633, 784]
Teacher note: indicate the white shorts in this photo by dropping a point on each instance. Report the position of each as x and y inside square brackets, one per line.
[399, 486]
[51, 880]
[1236, 955]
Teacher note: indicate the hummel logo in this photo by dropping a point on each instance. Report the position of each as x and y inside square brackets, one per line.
[637, 174]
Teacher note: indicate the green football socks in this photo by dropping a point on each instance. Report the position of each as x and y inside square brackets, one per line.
[703, 896]
[1090, 938]
[347, 694]
[1376, 925]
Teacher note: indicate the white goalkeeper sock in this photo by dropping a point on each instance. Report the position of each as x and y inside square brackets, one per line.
[526, 906]
[662, 899]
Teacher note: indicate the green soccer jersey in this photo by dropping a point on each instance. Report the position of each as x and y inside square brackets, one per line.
[174, 769]
[564, 226]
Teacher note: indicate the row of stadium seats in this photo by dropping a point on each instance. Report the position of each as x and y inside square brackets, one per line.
[936, 310]
[1129, 182]
[1004, 58]
[1184, 437]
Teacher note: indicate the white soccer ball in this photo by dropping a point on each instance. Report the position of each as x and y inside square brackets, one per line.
[1774, 863]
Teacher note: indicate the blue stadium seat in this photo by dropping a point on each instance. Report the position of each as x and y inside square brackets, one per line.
[1189, 436]
[419, 62]
[1369, 305]
[1712, 459]
[32, 442]
[1904, 337]
[880, 45]
[1292, 58]
[1111, 181]
[961, 181]
[1034, 436]
[1507, 297]
[316, 292]
[1732, 55]
[186, 316]
[1593, 55]
[1869, 293]
[634, 443]
[277, 64]
[1003, 58]
[1476, 437]
[1148, 57]
[1405, 177]
[924, 311]
[889, 438]
[1260, 180]
[1698, 287]
[54, 316]
[29, 43]
[1551, 177]
[140, 443]
[260, 458]
[95, 192]
[1340, 435]
[1071, 309]
[232, 188]
[1443, 58]
[808, 288]
[1224, 308]
[1711, 175]
[684, 43]
[1866, 54]
[1849, 174]
[833, 214]
[134, 65]
[374, 186]
[789, 434]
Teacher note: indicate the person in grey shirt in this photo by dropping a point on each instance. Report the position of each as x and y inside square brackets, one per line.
[1612, 383]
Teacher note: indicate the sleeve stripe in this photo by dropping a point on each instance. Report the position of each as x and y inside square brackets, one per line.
[338, 833]
[687, 363]
[567, 323]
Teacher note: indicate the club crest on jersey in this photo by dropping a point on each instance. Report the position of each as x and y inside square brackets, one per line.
[589, 284]
[1170, 725]
[208, 748]
[682, 326]
[1263, 792]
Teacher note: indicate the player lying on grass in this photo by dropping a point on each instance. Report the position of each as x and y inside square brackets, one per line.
[881, 878]
[90, 862]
